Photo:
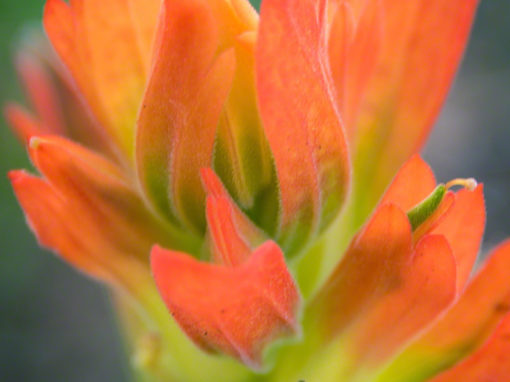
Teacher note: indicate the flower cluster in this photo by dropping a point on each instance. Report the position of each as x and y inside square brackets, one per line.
[257, 177]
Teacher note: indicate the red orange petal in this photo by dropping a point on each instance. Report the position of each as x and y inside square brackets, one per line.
[300, 115]
[413, 183]
[245, 227]
[22, 123]
[354, 43]
[371, 268]
[181, 109]
[486, 298]
[230, 248]
[404, 96]
[426, 289]
[465, 327]
[87, 212]
[233, 234]
[59, 224]
[211, 302]
[463, 226]
[41, 92]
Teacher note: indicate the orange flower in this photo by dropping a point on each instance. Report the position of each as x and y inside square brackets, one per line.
[196, 158]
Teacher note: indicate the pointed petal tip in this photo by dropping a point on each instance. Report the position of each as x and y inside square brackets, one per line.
[413, 182]
[39, 145]
[229, 246]
[479, 187]
[233, 234]
[417, 158]
[211, 182]
[157, 255]
[15, 176]
[34, 142]
[21, 122]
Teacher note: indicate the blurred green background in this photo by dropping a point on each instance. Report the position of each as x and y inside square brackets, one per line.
[56, 325]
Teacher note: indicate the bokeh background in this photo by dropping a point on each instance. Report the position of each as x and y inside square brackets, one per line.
[56, 325]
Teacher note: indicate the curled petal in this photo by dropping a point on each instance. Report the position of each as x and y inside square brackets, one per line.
[300, 116]
[371, 268]
[86, 211]
[246, 227]
[212, 303]
[384, 292]
[53, 219]
[427, 288]
[465, 327]
[460, 217]
[230, 248]
[177, 125]
[463, 226]
[52, 233]
[233, 234]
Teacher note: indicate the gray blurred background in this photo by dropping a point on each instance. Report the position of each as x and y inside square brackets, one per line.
[56, 325]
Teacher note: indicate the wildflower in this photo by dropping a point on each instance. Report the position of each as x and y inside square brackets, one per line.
[204, 162]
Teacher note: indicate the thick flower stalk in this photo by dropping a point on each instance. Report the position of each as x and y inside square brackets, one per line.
[248, 187]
